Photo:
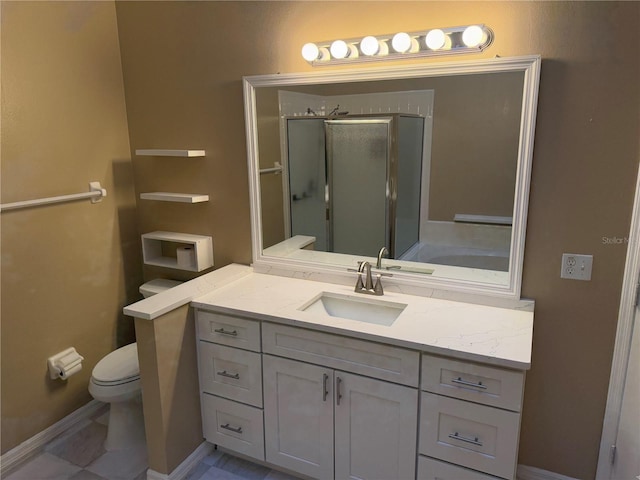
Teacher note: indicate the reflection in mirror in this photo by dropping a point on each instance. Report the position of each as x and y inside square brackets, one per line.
[432, 165]
[354, 182]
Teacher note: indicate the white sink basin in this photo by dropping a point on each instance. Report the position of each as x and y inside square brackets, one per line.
[361, 309]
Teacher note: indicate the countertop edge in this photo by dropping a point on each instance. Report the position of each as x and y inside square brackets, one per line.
[446, 352]
[157, 305]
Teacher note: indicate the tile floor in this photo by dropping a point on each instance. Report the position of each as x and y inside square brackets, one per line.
[221, 466]
[78, 454]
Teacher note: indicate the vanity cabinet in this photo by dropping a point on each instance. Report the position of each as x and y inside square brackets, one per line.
[299, 416]
[331, 406]
[230, 373]
[347, 385]
[329, 424]
[469, 416]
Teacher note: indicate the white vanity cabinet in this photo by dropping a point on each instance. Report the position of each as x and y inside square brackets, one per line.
[470, 417]
[325, 418]
[329, 424]
[230, 372]
[299, 416]
[331, 406]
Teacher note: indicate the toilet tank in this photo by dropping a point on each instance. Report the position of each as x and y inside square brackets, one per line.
[157, 285]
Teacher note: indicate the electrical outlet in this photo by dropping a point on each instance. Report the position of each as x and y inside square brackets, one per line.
[576, 267]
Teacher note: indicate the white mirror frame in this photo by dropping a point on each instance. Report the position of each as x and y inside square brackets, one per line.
[529, 65]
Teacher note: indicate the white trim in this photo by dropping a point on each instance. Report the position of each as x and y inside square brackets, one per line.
[622, 347]
[531, 473]
[188, 464]
[529, 65]
[32, 446]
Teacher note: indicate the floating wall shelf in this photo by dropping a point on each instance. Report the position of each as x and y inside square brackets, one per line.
[169, 153]
[182, 251]
[175, 197]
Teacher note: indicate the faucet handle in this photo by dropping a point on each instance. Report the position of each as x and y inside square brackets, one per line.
[377, 289]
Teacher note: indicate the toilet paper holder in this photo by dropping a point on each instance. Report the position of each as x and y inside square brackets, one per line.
[64, 364]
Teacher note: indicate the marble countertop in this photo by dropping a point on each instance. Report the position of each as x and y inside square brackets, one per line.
[492, 335]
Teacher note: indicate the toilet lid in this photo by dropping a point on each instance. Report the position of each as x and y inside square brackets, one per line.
[118, 366]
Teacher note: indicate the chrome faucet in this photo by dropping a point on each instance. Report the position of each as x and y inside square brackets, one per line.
[367, 287]
[381, 253]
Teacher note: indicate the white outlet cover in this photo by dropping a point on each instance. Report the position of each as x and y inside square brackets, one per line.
[576, 266]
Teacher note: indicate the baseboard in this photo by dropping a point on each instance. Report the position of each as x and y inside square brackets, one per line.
[182, 470]
[531, 473]
[34, 445]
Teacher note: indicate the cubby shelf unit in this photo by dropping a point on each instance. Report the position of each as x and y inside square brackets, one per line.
[201, 247]
[154, 152]
[175, 197]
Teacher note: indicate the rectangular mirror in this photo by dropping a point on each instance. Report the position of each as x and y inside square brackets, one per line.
[431, 162]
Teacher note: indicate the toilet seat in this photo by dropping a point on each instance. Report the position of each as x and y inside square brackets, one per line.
[117, 368]
[115, 383]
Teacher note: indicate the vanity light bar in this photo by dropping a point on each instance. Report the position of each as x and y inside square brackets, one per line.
[425, 43]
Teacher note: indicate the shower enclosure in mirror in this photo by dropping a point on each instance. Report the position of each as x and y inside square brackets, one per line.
[432, 162]
[354, 182]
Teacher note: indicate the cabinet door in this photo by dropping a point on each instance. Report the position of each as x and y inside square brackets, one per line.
[298, 414]
[376, 426]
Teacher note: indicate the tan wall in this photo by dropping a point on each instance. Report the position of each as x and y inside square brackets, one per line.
[68, 269]
[475, 145]
[180, 97]
[170, 392]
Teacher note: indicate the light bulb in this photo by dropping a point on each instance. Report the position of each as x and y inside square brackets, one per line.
[473, 36]
[339, 49]
[310, 52]
[401, 42]
[369, 45]
[435, 39]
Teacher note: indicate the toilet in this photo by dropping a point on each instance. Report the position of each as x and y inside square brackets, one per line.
[116, 380]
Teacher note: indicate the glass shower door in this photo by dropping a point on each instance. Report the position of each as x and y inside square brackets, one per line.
[358, 162]
[307, 179]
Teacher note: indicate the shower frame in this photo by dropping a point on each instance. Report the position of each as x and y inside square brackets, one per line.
[391, 178]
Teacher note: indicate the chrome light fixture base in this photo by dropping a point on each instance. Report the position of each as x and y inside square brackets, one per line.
[400, 46]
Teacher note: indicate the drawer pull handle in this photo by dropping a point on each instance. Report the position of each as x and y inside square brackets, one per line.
[224, 373]
[338, 393]
[457, 436]
[325, 390]
[467, 383]
[222, 331]
[226, 426]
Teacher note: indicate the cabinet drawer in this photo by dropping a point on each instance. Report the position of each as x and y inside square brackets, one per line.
[430, 469]
[497, 387]
[227, 330]
[231, 373]
[233, 425]
[475, 436]
[372, 359]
